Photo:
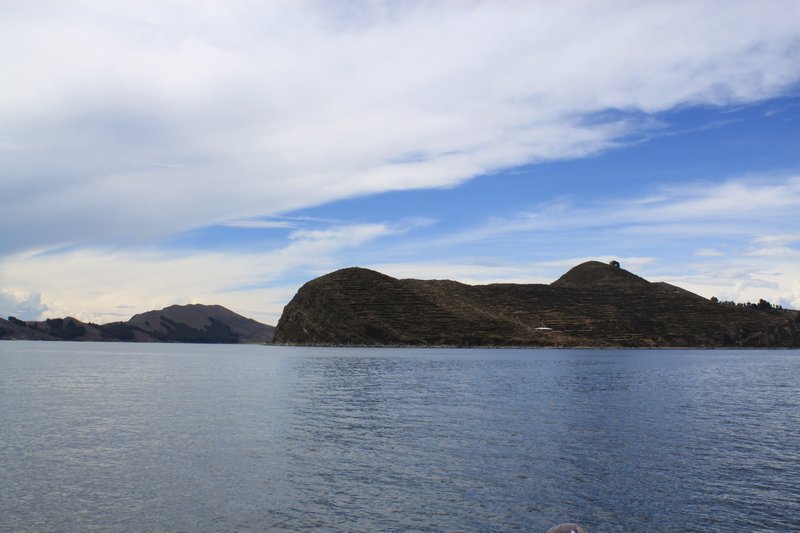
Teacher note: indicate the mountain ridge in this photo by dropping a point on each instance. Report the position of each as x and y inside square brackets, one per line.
[191, 323]
[593, 304]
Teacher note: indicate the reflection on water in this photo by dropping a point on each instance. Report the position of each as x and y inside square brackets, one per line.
[116, 437]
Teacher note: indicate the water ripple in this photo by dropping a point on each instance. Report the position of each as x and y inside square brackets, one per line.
[117, 437]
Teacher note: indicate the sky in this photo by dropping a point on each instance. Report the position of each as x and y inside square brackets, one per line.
[225, 152]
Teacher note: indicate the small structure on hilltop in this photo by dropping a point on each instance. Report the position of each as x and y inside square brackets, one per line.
[614, 264]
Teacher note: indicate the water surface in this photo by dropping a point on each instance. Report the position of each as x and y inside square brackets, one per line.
[133, 437]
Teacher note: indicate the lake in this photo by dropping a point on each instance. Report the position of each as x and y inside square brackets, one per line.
[170, 437]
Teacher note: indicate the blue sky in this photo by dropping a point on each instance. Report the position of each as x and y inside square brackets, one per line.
[154, 153]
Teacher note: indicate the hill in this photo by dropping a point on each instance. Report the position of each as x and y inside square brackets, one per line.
[594, 304]
[177, 323]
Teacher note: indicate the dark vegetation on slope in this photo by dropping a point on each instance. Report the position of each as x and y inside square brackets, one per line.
[193, 323]
[594, 304]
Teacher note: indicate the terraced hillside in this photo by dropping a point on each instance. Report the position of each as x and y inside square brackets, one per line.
[593, 304]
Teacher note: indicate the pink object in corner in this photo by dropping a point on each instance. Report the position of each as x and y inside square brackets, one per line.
[566, 528]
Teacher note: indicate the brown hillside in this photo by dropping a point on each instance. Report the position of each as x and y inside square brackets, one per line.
[593, 304]
[230, 326]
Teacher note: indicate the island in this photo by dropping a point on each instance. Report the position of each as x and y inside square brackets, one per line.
[592, 305]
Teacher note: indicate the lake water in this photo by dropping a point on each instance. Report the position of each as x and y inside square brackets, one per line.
[154, 437]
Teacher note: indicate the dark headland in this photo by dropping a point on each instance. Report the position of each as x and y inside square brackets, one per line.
[593, 305]
[176, 323]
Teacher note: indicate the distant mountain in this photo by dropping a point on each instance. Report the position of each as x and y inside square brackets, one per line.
[184, 323]
[594, 304]
[177, 323]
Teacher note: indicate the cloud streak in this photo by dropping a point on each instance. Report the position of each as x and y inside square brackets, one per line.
[240, 110]
[733, 206]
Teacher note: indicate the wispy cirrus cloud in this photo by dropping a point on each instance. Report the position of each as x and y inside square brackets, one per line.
[708, 252]
[733, 206]
[141, 120]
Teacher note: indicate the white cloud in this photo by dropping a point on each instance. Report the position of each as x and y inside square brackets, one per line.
[141, 119]
[743, 279]
[709, 252]
[104, 285]
[129, 121]
[21, 305]
[255, 223]
[733, 207]
[777, 240]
